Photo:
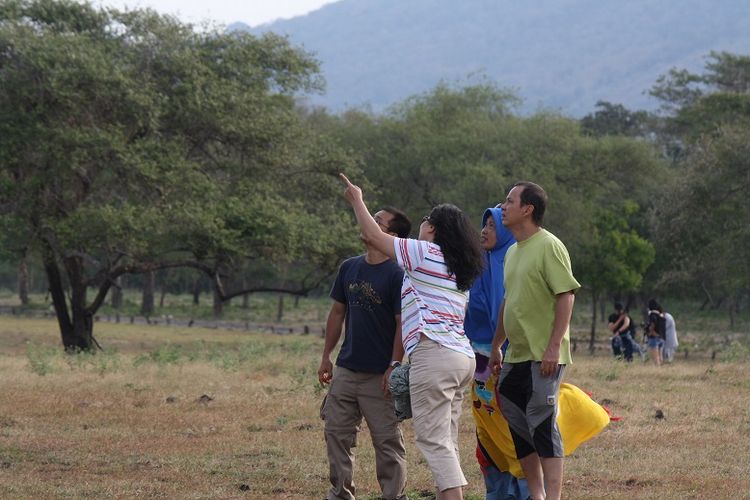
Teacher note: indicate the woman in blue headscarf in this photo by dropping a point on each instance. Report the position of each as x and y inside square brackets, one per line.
[485, 297]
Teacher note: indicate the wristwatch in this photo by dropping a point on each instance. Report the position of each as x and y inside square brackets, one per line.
[394, 364]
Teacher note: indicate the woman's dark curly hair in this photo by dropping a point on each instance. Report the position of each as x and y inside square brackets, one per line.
[459, 242]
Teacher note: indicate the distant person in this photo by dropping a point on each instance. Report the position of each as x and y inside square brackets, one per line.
[367, 299]
[439, 269]
[670, 337]
[485, 297]
[535, 317]
[655, 331]
[621, 325]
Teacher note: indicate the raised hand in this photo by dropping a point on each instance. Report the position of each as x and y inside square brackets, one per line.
[353, 193]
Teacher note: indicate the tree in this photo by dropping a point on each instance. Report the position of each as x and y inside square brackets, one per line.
[724, 72]
[615, 258]
[702, 222]
[707, 117]
[696, 104]
[465, 146]
[615, 119]
[130, 142]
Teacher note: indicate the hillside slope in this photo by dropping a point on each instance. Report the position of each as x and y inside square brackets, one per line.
[561, 54]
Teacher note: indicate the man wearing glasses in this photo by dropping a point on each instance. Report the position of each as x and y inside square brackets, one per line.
[367, 300]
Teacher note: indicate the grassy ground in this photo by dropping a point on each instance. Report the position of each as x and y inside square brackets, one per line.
[134, 422]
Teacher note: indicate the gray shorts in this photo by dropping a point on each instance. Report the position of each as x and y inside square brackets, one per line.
[529, 403]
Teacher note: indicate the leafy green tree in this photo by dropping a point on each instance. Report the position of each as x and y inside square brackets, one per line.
[615, 119]
[130, 142]
[702, 221]
[697, 104]
[706, 120]
[465, 146]
[724, 72]
[615, 258]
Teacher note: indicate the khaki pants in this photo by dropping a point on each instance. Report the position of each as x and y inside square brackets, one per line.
[354, 395]
[438, 379]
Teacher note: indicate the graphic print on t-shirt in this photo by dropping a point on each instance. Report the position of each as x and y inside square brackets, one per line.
[362, 294]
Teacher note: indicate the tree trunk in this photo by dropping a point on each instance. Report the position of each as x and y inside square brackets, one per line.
[23, 281]
[117, 293]
[77, 334]
[196, 291]
[630, 301]
[594, 300]
[218, 304]
[732, 309]
[245, 297]
[280, 309]
[163, 294]
[147, 301]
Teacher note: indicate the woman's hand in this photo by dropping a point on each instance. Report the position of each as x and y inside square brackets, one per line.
[353, 194]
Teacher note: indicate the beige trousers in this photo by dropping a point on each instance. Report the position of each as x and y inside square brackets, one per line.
[354, 395]
[438, 379]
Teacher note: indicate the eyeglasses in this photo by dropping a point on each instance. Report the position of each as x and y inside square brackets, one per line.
[426, 218]
[380, 223]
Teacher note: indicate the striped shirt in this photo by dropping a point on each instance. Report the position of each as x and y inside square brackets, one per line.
[430, 302]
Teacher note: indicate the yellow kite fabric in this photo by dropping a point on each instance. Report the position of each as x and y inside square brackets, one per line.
[580, 418]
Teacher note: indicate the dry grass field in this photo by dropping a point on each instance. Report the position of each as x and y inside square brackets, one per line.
[189, 413]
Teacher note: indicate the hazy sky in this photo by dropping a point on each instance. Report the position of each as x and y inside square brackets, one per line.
[252, 12]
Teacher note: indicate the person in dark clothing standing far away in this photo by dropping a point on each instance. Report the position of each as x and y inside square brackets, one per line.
[656, 331]
[621, 325]
[535, 318]
[367, 297]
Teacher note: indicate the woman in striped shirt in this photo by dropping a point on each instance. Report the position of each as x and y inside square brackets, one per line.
[439, 269]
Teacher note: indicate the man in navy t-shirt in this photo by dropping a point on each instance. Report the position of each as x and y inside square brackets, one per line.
[367, 300]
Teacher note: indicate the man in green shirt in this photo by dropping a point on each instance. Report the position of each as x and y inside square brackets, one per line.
[535, 318]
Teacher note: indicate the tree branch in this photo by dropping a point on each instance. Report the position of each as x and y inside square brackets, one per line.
[140, 268]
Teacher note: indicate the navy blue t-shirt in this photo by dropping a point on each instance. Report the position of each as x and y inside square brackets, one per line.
[372, 294]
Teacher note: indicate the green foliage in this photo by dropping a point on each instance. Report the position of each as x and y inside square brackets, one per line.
[44, 360]
[107, 361]
[40, 359]
[610, 373]
[166, 355]
[735, 352]
[709, 247]
[724, 73]
[615, 119]
[465, 146]
[712, 112]
[616, 256]
[131, 142]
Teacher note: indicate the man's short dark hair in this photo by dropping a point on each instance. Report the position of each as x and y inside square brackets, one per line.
[533, 195]
[618, 307]
[399, 224]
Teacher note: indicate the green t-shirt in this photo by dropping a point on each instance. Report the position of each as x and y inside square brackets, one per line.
[536, 270]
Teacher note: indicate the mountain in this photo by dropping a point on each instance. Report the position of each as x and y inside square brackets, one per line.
[559, 54]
